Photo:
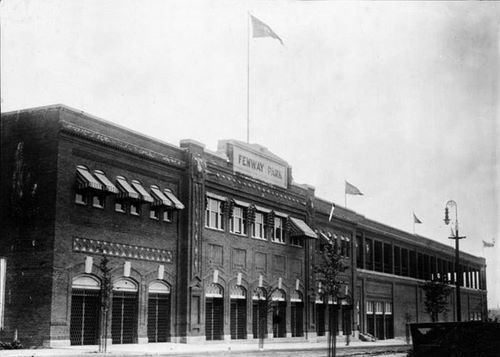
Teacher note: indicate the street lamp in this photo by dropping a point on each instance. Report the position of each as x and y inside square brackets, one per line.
[456, 237]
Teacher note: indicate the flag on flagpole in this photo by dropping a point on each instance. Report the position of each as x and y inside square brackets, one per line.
[351, 189]
[260, 29]
[415, 219]
[331, 213]
[488, 244]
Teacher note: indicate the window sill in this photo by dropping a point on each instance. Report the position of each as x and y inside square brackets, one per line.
[278, 242]
[215, 229]
[81, 203]
[259, 238]
[244, 235]
[97, 206]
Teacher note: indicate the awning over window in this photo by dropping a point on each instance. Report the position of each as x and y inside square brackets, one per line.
[262, 209]
[144, 195]
[170, 195]
[300, 228]
[280, 214]
[126, 190]
[216, 196]
[86, 180]
[108, 185]
[159, 198]
[241, 203]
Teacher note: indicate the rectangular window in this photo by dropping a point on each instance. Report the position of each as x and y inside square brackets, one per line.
[238, 223]
[413, 264]
[397, 260]
[404, 262]
[167, 215]
[388, 258]
[369, 307]
[214, 215]
[259, 227]
[369, 254]
[378, 256]
[120, 206]
[278, 235]
[296, 240]
[420, 263]
[388, 308]
[80, 198]
[3, 275]
[135, 208]
[379, 307]
[359, 251]
[154, 213]
[98, 201]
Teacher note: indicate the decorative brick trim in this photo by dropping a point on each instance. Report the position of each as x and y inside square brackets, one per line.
[91, 135]
[92, 246]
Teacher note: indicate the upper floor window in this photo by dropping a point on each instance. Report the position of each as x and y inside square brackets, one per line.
[214, 214]
[259, 226]
[278, 235]
[238, 222]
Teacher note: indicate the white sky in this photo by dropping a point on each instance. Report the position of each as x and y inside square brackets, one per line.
[400, 99]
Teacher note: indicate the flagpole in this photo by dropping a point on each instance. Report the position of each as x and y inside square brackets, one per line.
[248, 78]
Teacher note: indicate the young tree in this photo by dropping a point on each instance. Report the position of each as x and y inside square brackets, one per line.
[436, 297]
[330, 273]
[104, 303]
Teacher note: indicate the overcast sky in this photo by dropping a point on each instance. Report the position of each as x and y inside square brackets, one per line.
[400, 99]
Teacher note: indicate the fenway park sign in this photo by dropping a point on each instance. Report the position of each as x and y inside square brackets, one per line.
[259, 167]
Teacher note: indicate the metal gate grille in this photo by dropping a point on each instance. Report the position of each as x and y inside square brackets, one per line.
[297, 319]
[238, 319]
[84, 322]
[124, 317]
[159, 317]
[259, 319]
[214, 319]
[320, 319]
[279, 319]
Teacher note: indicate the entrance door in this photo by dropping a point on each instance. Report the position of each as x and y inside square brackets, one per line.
[124, 317]
[279, 319]
[346, 319]
[214, 318]
[159, 312]
[238, 319]
[84, 323]
[259, 319]
[297, 311]
[124, 312]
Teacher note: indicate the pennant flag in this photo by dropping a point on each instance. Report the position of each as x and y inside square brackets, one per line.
[260, 29]
[351, 189]
[331, 213]
[415, 219]
[488, 244]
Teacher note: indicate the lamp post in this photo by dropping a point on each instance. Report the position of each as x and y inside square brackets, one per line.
[456, 237]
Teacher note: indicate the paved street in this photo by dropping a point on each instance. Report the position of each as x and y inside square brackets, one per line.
[393, 347]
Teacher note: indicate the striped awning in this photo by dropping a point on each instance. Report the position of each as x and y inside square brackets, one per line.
[126, 191]
[241, 203]
[170, 195]
[85, 179]
[300, 228]
[159, 198]
[144, 195]
[108, 185]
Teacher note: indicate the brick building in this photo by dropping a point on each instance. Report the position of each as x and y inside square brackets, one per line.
[189, 243]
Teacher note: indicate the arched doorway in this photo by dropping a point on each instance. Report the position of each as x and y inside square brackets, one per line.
[297, 312]
[124, 312]
[279, 313]
[85, 307]
[238, 301]
[214, 312]
[158, 312]
[259, 313]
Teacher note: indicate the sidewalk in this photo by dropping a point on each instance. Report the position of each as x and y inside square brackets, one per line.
[208, 348]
